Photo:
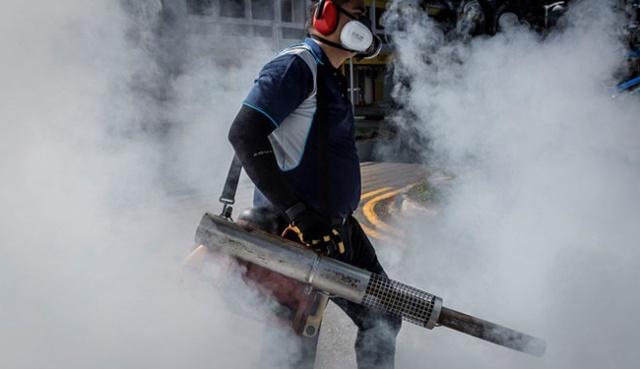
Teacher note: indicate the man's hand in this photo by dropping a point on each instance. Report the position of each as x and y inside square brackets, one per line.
[313, 230]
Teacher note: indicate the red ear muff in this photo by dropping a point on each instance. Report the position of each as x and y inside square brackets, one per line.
[326, 17]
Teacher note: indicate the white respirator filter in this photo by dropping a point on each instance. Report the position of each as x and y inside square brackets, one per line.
[356, 36]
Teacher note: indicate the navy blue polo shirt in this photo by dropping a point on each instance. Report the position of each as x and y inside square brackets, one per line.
[297, 107]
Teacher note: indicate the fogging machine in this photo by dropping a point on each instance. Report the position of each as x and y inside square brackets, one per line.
[219, 234]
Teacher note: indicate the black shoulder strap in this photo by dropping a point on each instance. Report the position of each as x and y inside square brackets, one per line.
[228, 197]
[323, 153]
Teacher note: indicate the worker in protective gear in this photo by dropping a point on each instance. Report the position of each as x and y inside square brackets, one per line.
[295, 138]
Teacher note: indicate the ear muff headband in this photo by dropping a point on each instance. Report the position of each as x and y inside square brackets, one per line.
[319, 9]
[326, 17]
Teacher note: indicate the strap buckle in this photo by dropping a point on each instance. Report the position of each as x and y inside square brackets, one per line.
[227, 208]
[230, 186]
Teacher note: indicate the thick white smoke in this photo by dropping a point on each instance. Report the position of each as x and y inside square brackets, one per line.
[104, 179]
[539, 229]
[113, 145]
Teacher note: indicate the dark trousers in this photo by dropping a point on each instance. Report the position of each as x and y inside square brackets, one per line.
[376, 340]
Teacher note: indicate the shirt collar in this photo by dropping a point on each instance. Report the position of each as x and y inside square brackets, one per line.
[317, 51]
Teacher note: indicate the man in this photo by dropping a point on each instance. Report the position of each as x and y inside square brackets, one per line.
[295, 138]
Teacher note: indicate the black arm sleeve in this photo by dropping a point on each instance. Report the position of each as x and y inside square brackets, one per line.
[249, 137]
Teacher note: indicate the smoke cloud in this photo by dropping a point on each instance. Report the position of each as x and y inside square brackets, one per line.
[114, 120]
[538, 229]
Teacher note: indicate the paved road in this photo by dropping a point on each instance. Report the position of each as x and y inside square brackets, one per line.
[395, 175]
[380, 182]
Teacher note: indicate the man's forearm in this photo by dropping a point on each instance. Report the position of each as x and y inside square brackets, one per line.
[249, 137]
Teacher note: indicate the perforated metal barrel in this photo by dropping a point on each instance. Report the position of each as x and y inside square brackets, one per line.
[412, 304]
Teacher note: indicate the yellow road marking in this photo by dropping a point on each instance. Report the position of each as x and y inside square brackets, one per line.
[372, 217]
[373, 233]
[369, 210]
[374, 192]
[370, 231]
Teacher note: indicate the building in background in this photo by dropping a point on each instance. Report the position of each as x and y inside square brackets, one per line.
[276, 24]
[370, 78]
[230, 29]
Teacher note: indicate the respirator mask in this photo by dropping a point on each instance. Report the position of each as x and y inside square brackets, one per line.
[355, 36]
